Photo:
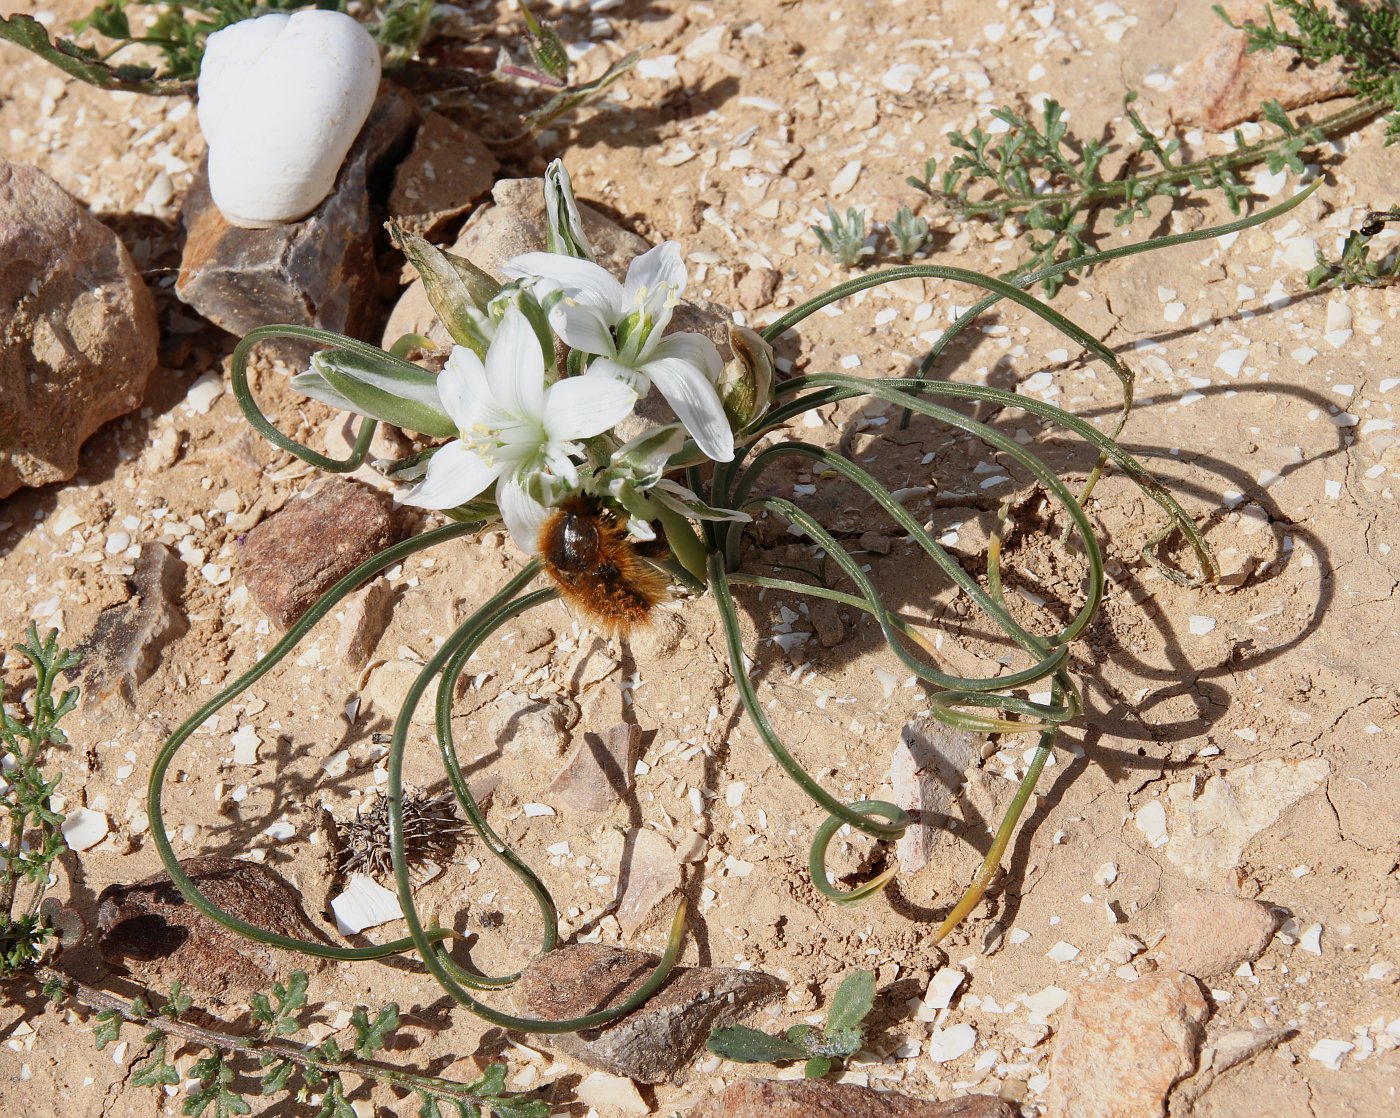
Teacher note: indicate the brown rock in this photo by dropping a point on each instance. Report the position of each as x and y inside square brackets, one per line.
[514, 224]
[365, 618]
[78, 332]
[1120, 1046]
[448, 169]
[126, 642]
[599, 771]
[153, 932]
[820, 1098]
[296, 555]
[319, 271]
[654, 1043]
[1213, 933]
[1224, 85]
[757, 288]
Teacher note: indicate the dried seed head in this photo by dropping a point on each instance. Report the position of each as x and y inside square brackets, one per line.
[431, 831]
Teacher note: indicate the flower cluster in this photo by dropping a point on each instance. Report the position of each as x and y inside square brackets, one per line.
[546, 367]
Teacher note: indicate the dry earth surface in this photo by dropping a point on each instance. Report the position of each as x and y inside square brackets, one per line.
[1236, 742]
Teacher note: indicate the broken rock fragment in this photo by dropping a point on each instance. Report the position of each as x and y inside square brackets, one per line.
[297, 554]
[647, 871]
[126, 643]
[820, 1098]
[1213, 933]
[154, 933]
[655, 1043]
[598, 772]
[1120, 1046]
[1224, 85]
[448, 169]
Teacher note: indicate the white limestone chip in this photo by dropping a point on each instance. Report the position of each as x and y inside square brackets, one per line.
[83, 828]
[1330, 1053]
[364, 904]
[1151, 820]
[948, 1044]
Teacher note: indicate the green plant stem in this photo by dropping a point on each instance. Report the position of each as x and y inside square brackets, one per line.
[501, 608]
[238, 374]
[992, 861]
[719, 584]
[1345, 120]
[214, 1039]
[155, 788]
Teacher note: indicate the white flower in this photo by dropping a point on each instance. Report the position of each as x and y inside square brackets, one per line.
[515, 431]
[622, 325]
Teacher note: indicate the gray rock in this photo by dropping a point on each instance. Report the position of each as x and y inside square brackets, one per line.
[653, 1044]
[78, 331]
[598, 772]
[448, 169]
[298, 553]
[150, 930]
[126, 642]
[820, 1098]
[520, 724]
[319, 271]
[647, 872]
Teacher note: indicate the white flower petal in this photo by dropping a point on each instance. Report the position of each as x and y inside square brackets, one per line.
[462, 386]
[583, 327]
[515, 367]
[582, 279]
[657, 267]
[695, 401]
[455, 475]
[581, 407]
[524, 516]
[635, 379]
[694, 348]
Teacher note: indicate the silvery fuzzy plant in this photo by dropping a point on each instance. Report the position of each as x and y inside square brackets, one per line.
[549, 361]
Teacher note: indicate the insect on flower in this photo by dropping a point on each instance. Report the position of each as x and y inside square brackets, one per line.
[596, 566]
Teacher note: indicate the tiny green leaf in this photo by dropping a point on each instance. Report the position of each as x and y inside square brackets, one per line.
[744, 1045]
[853, 1001]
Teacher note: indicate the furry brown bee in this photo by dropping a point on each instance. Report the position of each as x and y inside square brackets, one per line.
[596, 566]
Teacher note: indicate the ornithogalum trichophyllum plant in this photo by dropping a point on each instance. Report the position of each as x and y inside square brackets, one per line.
[537, 415]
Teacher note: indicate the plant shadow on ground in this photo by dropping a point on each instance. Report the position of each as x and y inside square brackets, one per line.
[1199, 480]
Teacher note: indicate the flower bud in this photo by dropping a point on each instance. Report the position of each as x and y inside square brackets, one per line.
[746, 385]
[564, 229]
[457, 289]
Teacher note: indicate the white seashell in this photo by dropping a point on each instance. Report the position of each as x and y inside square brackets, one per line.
[281, 99]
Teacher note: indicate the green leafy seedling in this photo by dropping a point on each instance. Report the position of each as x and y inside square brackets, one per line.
[824, 1052]
[908, 232]
[845, 239]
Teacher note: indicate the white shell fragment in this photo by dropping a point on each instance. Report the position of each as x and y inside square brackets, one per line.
[281, 99]
[948, 1044]
[364, 904]
[83, 828]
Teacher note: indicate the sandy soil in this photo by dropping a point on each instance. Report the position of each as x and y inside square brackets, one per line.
[1272, 425]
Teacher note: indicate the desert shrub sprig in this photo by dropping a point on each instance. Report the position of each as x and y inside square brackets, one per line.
[29, 825]
[1057, 187]
[305, 1073]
